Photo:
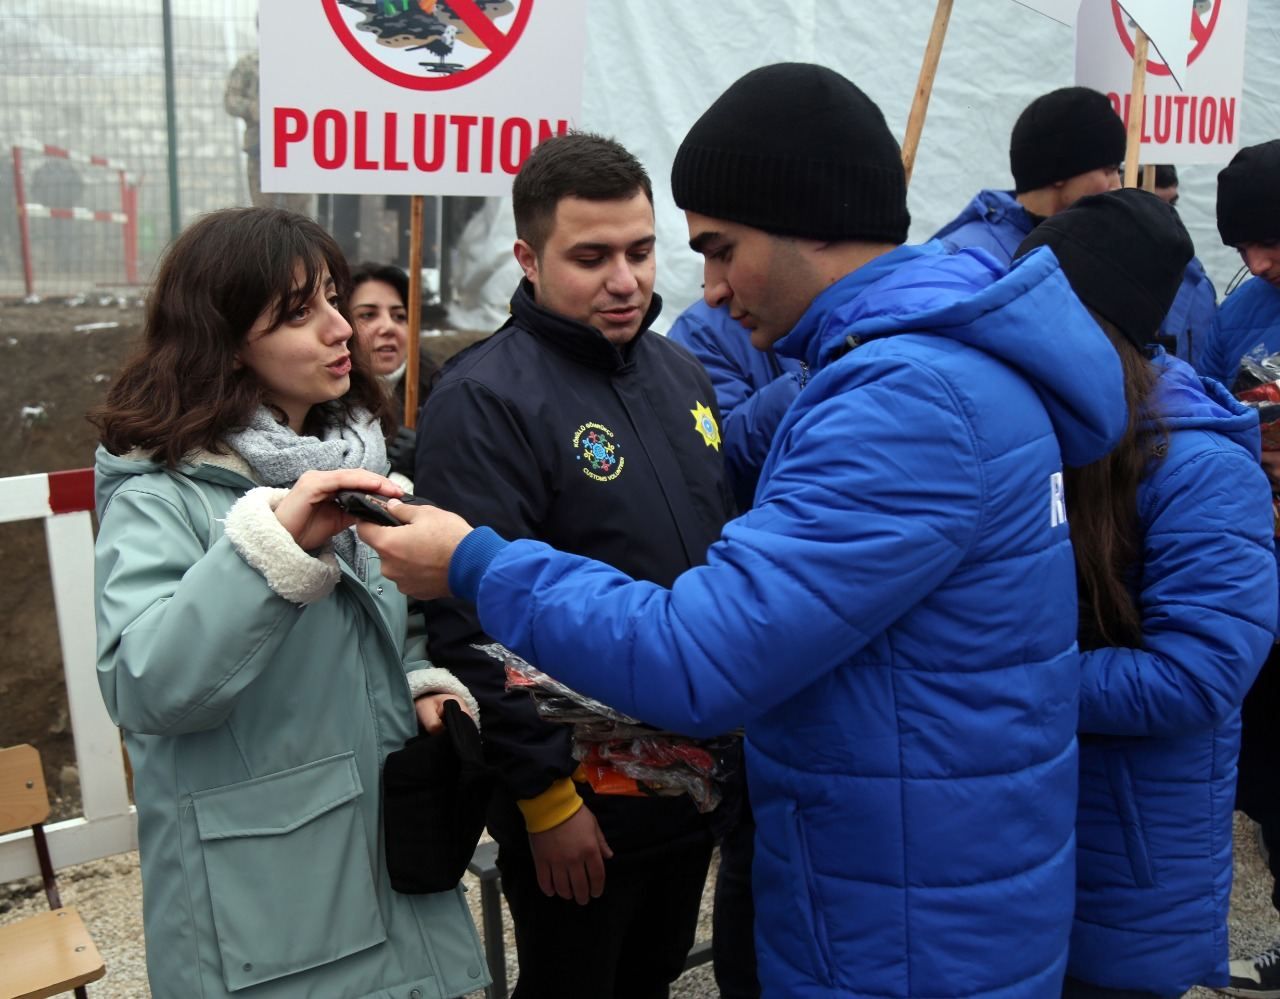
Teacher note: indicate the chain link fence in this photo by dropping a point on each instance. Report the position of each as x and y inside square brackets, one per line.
[96, 174]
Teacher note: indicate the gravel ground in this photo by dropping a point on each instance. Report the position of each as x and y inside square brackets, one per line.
[108, 895]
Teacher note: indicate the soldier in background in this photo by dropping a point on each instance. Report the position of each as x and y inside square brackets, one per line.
[241, 101]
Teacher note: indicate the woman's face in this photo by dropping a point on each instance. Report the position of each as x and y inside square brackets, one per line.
[304, 361]
[382, 324]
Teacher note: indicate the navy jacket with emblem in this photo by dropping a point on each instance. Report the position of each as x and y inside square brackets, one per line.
[547, 430]
[895, 619]
[753, 387]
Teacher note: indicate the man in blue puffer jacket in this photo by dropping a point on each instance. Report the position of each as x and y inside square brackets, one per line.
[1065, 145]
[894, 619]
[753, 389]
[1248, 323]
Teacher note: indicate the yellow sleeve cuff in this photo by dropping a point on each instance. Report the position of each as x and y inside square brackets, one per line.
[556, 804]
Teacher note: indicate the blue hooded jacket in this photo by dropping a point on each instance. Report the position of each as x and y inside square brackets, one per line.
[1160, 724]
[1190, 317]
[894, 623]
[1248, 323]
[753, 389]
[995, 221]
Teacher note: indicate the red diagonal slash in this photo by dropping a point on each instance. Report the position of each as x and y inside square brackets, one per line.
[1199, 30]
[474, 18]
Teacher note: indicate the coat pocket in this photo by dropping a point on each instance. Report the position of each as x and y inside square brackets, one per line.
[1135, 835]
[287, 861]
[808, 907]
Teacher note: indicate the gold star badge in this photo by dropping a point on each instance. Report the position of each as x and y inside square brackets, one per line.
[705, 423]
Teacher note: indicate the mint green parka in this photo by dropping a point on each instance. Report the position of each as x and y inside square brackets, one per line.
[257, 727]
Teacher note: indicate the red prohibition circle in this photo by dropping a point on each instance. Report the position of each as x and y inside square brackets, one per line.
[1199, 30]
[499, 45]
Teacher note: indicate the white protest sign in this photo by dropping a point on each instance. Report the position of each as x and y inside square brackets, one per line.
[1165, 25]
[414, 96]
[1199, 123]
[1063, 11]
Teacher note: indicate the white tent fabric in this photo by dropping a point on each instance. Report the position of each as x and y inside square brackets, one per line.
[653, 67]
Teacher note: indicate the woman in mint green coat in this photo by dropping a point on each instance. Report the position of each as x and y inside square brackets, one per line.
[248, 645]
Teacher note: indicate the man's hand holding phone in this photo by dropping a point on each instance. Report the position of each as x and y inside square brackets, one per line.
[373, 508]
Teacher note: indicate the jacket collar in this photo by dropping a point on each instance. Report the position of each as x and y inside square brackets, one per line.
[584, 344]
[806, 340]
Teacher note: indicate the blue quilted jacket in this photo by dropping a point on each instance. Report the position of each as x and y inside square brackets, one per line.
[894, 623]
[1160, 724]
[1190, 317]
[994, 221]
[753, 389]
[1248, 323]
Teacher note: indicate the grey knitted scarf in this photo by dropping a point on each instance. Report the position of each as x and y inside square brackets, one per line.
[278, 456]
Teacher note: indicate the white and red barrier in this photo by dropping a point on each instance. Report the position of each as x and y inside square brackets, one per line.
[126, 217]
[64, 501]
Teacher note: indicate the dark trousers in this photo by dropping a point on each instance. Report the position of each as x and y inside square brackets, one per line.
[733, 945]
[630, 943]
[1073, 988]
[1258, 785]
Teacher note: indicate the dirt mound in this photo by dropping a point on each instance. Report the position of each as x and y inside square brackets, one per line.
[57, 360]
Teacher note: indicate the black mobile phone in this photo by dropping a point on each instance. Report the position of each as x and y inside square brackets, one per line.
[373, 508]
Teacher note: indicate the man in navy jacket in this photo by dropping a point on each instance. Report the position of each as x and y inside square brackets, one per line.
[753, 388]
[576, 425]
[894, 620]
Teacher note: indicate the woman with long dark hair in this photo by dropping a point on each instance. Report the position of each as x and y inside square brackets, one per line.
[379, 308]
[248, 645]
[1172, 538]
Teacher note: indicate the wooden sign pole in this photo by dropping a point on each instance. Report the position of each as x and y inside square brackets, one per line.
[924, 88]
[1149, 177]
[1137, 101]
[414, 306]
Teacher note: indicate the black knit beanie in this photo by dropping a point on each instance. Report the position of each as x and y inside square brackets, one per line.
[1124, 253]
[1249, 195]
[796, 150]
[1062, 134]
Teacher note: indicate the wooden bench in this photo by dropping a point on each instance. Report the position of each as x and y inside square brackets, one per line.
[51, 953]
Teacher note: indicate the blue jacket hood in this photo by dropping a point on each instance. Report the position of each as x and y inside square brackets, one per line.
[1185, 400]
[968, 296]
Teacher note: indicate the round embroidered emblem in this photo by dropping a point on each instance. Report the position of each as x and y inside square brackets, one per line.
[598, 451]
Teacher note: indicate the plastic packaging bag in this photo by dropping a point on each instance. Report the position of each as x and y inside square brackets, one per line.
[620, 754]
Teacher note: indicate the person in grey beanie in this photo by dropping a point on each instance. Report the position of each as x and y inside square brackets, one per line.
[893, 622]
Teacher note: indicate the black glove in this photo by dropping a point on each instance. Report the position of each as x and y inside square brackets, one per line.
[401, 449]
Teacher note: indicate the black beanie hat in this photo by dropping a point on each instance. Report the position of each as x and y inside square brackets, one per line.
[1062, 134]
[1124, 253]
[796, 150]
[1249, 195]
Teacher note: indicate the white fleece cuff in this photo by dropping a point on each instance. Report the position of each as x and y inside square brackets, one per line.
[262, 541]
[437, 680]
